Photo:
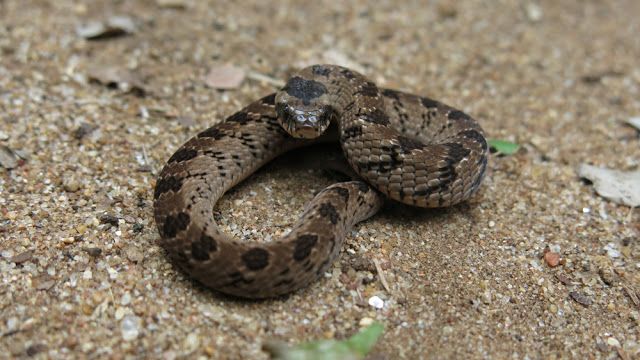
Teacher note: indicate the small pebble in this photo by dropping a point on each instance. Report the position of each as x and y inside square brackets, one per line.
[22, 257]
[71, 184]
[109, 219]
[130, 327]
[365, 321]
[376, 302]
[134, 254]
[551, 258]
[581, 298]
[191, 343]
[93, 251]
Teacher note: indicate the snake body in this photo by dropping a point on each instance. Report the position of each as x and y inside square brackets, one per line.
[405, 147]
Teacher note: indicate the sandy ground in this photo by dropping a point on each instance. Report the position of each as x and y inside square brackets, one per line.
[82, 276]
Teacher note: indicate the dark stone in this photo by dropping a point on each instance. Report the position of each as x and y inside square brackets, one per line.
[109, 219]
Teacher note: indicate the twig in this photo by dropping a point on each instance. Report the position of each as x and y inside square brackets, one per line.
[383, 280]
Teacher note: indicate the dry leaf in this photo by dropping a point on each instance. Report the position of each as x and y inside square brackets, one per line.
[618, 186]
[635, 122]
[225, 77]
[108, 28]
[117, 77]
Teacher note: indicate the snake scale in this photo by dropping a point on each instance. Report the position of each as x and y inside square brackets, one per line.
[405, 147]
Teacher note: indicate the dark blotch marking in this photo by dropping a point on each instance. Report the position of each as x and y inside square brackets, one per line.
[269, 99]
[303, 245]
[363, 187]
[455, 152]
[458, 115]
[283, 282]
[348, 74]
[240, 117]
[368, 89]
[201, 249]
[329, 211]
[256, 259]
[236, 279]
[428, 103]
[377, 116]
[212, 132]
[352, 132]
[408, 144]
[342, 192]
[173, 224]
[305, 90]
[320, 70]
[169, 183]
[183, 155]
[391, 94]
[475, 135]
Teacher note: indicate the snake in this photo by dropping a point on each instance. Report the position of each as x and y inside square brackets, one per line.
[403, 147]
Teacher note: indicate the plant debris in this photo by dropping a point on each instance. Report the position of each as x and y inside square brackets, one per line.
[110, 27]
[618, 186]
[503, 147]
[116, 77]
[356, 347]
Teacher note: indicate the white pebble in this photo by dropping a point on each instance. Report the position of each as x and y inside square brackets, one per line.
[366, 321]
[130, 327]
[376, 302]
[87, 274]
[126, 299]
[612, 250]
[192, 342]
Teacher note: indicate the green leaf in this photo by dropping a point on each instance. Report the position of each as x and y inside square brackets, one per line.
[503, 146]
[354, 348]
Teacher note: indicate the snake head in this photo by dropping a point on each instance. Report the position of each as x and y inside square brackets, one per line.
[303, 108]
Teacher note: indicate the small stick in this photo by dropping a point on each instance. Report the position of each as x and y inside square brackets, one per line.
[383, 280]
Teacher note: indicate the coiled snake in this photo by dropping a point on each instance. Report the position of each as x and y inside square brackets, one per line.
[407, 148]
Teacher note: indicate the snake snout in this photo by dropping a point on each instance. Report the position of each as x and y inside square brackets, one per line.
[303, 123]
